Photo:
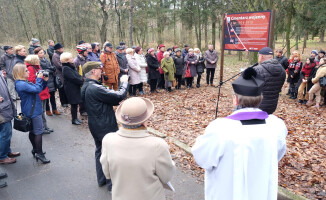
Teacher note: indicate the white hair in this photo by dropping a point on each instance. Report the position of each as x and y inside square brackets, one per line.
[88, 74]
[166, 53]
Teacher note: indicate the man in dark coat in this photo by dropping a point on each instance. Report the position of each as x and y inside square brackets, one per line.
[50, 50]
[274, 75]
[185, 50]
[99, 103]
[34, 44]
[7, 62]
[122, 60]
[282, 59]
[58, 50]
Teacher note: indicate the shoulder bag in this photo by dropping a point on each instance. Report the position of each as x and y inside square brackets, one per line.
[23, 123]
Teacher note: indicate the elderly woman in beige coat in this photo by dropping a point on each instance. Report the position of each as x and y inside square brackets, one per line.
[137, 163]
[134, 71]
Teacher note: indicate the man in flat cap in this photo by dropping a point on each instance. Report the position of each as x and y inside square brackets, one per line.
[273, 75]
[240, 153]
[7, 62]
[99, 102]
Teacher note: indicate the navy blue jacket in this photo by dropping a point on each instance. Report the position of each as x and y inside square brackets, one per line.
[27, 92]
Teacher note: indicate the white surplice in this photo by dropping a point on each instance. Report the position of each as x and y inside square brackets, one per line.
[241, 161]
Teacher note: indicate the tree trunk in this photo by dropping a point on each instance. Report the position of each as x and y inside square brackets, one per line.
[55, 20]
[103, 29]
[22, 19]
[199, 24]
[288, 22]
[130, 22]
[213, 19]
[322, 35]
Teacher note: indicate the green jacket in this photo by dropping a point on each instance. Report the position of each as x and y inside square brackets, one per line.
[169, 69]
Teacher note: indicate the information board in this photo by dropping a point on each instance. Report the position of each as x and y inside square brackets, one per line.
[246, 31]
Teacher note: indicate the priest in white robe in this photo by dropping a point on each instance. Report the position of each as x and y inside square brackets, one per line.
[240, 153]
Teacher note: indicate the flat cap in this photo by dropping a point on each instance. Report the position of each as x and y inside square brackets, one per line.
[87, 67]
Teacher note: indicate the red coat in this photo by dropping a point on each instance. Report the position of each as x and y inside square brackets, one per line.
[159, 58]
[32, 78]
[307, 69]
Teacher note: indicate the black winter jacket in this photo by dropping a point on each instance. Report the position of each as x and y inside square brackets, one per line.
[50, 51]
[7, 64]
[123, 63]
[274, 75]
[153, 65]
[72, 83]
[311, 76]
[201, 64]
[46, 65]
[179, 65]
[283, 61]
[99, 102]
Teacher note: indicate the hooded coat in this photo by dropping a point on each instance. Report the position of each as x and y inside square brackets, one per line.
[110, 67]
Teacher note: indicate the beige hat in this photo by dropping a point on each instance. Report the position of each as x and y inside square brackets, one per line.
[134, 111]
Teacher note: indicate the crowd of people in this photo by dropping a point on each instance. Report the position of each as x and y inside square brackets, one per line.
[304, 76]
[96, 80]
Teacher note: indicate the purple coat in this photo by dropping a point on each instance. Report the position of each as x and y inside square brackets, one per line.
[188, 61]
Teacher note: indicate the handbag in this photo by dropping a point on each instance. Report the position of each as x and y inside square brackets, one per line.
[188, 72]
[322, 81]
[174, 83]
[58, 82]
[22, 122]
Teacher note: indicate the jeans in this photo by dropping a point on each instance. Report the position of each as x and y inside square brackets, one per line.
[133, 90]
[140, 87]
[210, 72]
[5, 137]
[45, 125]
[101, 179]
[52, 101]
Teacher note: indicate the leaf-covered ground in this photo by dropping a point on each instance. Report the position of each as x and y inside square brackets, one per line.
[184, 114]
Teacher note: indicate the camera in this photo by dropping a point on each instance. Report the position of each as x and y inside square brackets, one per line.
[45, 73]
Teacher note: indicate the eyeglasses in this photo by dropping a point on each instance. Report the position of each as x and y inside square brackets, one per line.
[26, 70]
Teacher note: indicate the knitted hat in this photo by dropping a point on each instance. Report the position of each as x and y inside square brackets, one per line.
[58, 46]
[87, 67]
[150, 50]
[34, 41]
[315, 52]
[161, 45]
[109, 45]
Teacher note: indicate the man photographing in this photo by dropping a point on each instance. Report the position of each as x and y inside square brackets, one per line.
[99, 102]
[273, 74]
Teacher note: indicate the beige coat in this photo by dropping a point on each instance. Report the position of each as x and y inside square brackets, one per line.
[321, 72]
[137, 163]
